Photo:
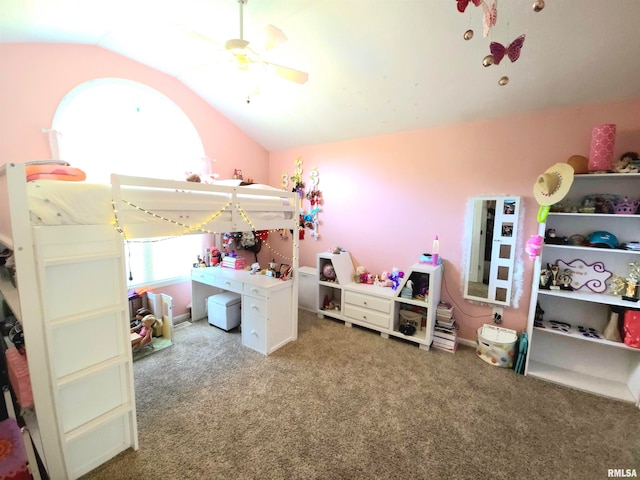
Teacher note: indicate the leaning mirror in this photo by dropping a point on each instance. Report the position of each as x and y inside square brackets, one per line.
[491, 249]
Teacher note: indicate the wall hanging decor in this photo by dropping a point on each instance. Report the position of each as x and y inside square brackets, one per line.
[308, 216]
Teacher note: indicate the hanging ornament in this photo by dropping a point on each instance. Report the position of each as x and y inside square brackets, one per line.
[538, 5]
[462, 4]
[503, 81]
[468, 35]
[487, 61]
[490, 16]
[512, 51]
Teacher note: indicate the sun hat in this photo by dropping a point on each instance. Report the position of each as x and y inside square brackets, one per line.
[554, 184]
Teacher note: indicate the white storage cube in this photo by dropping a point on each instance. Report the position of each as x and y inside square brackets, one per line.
[224, 310]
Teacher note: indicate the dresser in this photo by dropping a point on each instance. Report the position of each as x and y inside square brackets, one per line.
[268, 319]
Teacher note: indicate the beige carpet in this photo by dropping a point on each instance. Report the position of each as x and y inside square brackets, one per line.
[344, 403]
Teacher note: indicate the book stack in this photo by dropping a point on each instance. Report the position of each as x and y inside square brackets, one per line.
[237, 263]
[445, 332]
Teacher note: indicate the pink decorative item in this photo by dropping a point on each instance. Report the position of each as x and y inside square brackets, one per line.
[490, 16]
[462, 4]
[603, 139]
[512, 51]
[534, 246]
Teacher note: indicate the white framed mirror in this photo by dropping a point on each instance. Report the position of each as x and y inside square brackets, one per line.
[491, 249]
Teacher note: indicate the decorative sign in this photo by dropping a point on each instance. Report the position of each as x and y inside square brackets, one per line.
[594, 276]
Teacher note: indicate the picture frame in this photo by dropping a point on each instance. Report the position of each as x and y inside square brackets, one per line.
[283, 270]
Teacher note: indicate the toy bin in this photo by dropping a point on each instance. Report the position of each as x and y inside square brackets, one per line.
[224, 310]
[497, 346]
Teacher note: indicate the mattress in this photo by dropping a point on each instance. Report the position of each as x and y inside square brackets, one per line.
[77, 203]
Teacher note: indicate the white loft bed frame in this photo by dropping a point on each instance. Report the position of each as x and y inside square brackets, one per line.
[71, 299]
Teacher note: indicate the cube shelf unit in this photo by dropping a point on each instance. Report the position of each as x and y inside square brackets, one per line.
[331, 290]
[375, 307]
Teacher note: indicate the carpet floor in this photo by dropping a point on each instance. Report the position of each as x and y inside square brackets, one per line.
[345, 403]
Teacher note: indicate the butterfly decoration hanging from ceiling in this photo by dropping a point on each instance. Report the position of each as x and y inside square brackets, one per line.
[462, 4]
[489, 20]
[512, 51]
[490, 8]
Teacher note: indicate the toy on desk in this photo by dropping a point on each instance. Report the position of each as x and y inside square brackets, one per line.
[255, 268]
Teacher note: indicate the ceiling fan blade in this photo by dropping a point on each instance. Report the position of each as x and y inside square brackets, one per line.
[290, 74]
[199, 36]
[273, 38]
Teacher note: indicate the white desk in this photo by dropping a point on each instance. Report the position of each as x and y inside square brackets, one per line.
[267, 320]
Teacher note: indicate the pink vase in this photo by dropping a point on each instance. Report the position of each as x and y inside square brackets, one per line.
[603, 138]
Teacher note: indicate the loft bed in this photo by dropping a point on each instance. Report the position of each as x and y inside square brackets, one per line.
[70, 292]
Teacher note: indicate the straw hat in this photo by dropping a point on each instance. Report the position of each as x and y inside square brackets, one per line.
[552, 186]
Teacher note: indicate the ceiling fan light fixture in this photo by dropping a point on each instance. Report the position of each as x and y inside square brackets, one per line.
[236, 45]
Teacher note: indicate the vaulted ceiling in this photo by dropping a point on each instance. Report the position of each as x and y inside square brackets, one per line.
[375, 66]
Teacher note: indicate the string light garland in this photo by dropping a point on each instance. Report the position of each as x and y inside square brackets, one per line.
[191, 229]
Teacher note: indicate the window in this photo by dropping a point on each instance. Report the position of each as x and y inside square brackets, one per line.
[114, 125]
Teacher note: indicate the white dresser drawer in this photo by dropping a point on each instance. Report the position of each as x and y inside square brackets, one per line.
[254, 332]
[254, 290]
[254, 306]
[366, 315]
[367, 301]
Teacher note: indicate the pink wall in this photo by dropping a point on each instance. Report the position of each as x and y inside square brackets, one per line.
[35, 77]
[386, 197]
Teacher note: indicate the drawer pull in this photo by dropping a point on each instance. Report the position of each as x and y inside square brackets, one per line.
[253, 332]
[254, 307]
[227, 283]
[364, 303]
[254, 290]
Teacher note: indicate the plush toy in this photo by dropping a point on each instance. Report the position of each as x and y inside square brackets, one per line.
[395, 277]
[361, 273]
[384, 280]
[629, 163]
[534, 246]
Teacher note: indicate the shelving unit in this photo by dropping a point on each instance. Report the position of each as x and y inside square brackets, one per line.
[378, 308]
[594, 365]
[331, 290]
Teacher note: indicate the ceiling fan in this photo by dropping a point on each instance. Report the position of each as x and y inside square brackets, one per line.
[245, 57]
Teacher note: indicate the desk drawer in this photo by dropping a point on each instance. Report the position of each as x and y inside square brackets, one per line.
[368, 301]
[201, 275]
[365, 315]
[254, 332]
[255, 291]
[227, 284]
[254, 306]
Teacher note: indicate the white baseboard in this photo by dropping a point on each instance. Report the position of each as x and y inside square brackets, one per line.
[468, 343]
[181, 318]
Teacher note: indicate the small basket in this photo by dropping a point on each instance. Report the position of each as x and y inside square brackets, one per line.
[413, 318]
[496, 345]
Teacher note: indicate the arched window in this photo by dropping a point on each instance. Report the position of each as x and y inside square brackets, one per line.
[113, 125]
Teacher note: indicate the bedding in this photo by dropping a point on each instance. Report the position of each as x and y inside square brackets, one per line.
[78, 203]
[53, 171]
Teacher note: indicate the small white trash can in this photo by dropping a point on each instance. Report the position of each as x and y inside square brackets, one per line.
[497, 346]
[224, 310]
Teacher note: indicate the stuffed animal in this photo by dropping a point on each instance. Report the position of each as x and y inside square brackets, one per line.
[629, 163]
